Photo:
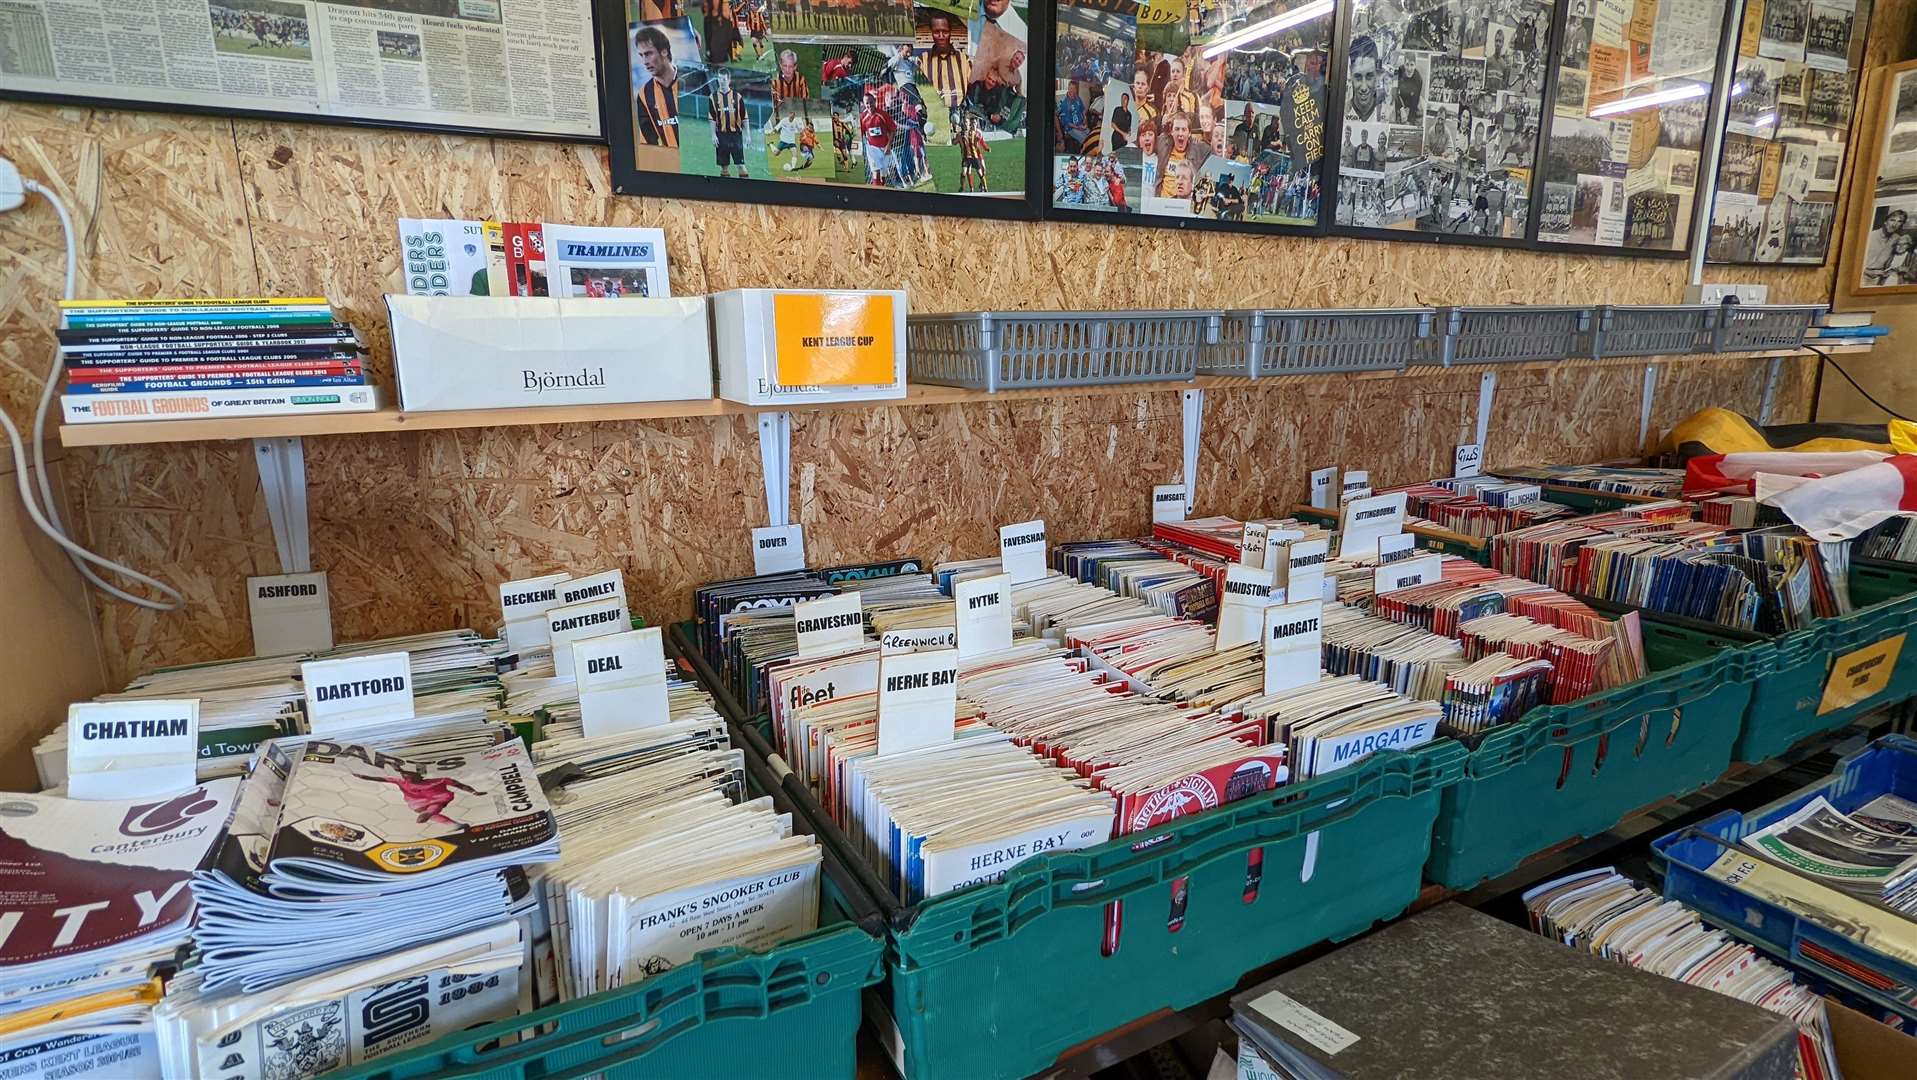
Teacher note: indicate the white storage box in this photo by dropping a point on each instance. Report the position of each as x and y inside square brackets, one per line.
[500, 352]
[786, 345]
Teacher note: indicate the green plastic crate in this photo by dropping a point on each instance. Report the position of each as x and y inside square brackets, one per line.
[790, 1011]
[998, 980]
[1567, 771]
[1790, 690]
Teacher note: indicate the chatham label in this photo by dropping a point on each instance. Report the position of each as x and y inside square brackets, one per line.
[345, 696]
[132, 749]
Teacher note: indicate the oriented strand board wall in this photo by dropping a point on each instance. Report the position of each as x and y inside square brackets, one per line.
[416, 529]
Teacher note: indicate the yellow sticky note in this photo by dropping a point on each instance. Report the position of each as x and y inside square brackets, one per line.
[1859, 674]
[834, 339]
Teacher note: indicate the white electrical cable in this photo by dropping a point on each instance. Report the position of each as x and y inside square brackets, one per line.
[47, 517]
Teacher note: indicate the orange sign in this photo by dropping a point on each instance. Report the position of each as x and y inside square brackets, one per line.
[834, 339]
[1860, 674]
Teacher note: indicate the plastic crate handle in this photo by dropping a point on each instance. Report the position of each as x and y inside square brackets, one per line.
[1071, 880]
[1879, 624]
[1519, 742]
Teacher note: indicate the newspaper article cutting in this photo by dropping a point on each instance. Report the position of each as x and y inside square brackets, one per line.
[523, 66]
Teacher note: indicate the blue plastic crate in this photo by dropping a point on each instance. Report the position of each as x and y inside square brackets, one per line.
[1888, 765]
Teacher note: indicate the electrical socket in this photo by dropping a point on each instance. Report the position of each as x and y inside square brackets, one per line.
[1715, 292]
[13, 190]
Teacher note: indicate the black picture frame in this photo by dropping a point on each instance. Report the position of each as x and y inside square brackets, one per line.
[1711, 121]
[1138, 219]
[1859, 37]
[94, 101]
[1335, 137]
[627, 179]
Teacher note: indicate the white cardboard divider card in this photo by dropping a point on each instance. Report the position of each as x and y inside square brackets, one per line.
[1467, 460]
[778, 548]
[919, 639]
[984, 607]
[601, 586]
[1404, 574]
[1396, 548]
[1251, 545]
[1241, 611]
[343, 696]
[622, 681]
[1021, 550]
[830, 624]
[523, 605]
[291, 613]
[1304, 576]
[1357, 485]
[1364, 521]
[1277, 547]
[1324, 488]
[480, 352]
[918, 697]
[595, 618]
[132, 749]
[1168, 503]
[773, 346]
[1294, 637]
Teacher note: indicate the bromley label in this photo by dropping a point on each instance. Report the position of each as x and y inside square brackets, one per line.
[601, 586]
[984, 608]
[343, 696]
[918, 695]
[777, 549]
[1021, 550]
[1294, 641]
[830, 624]
[597, 618]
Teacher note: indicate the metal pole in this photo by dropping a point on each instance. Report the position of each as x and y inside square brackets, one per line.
[1714, 142]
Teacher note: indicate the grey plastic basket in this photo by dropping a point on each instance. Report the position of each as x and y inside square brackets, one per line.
[1654, 330]
[1007, 350]
[1316, 342]
[1769, 326]
[1508, 335]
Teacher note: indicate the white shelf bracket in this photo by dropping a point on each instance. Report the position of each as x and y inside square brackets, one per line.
[1770, 390]
[1644, 409]
[1487, 392]
[282, 465]
[775, 458]
[1194, 423]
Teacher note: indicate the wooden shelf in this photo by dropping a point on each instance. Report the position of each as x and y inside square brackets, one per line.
[389, 420]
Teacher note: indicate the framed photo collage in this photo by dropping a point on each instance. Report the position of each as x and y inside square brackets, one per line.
[1572, 125]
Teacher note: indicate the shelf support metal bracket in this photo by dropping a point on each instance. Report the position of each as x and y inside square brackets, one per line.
[1194, 401]
[775, 458]
[282, 465]
[1644, 410]
[1771, 379]
[1487, 392]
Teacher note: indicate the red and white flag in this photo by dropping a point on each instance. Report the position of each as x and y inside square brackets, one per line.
[1842, 506]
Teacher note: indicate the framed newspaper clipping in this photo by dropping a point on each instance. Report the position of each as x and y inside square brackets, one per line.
[1785, 132]
[1631, 98]
[514, 67]
[1208, 115]
[854, 104]
[1881, 236]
